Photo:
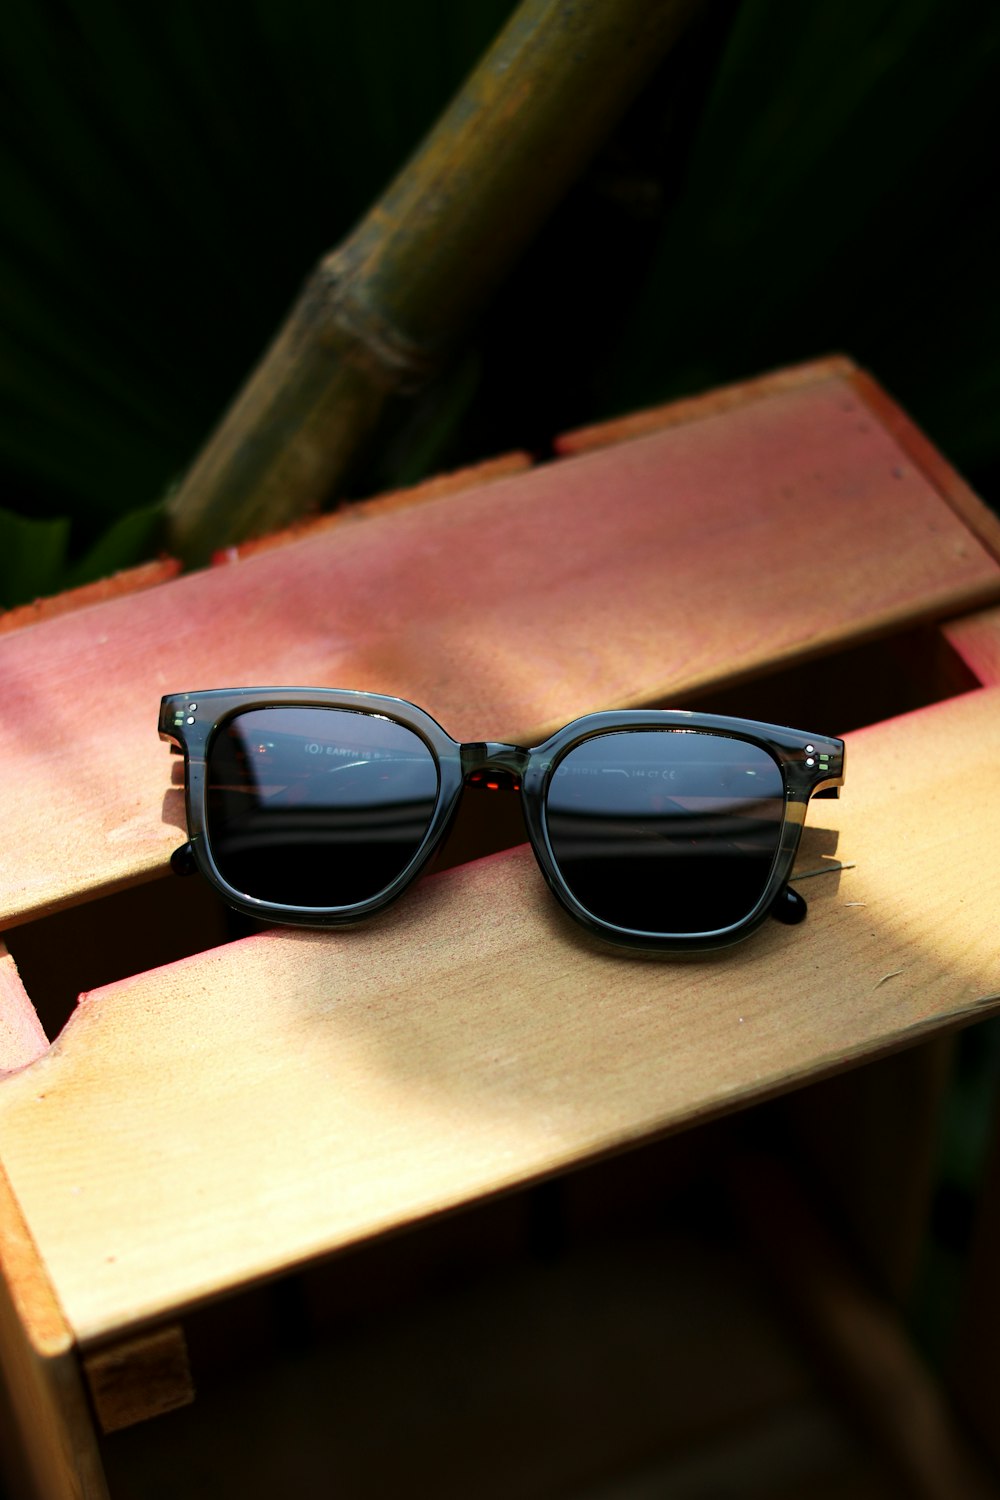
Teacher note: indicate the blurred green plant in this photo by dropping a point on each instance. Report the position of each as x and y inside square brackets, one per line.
[169, 176]
[796, 179]
[391, 305]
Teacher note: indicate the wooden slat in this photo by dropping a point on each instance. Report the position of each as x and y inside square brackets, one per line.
[646, 571]
[982, 522]
[41, 1369]
[434, 488]
[129, 581]
[21, 1036]
[858, 386]
[139, 1378]
[976, 638]
[711, 403]
[244, 1110]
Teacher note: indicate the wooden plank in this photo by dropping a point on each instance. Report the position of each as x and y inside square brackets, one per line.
[976, 638]
[245, 1110]
[21, 1036]
[129, 581]
[704, 553]
[981, 521]
[139, 1378]
[435, 488]
[711, 403]
[873, 402]
[42, 1371]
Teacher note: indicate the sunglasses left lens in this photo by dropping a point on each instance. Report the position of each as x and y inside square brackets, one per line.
[317, 807]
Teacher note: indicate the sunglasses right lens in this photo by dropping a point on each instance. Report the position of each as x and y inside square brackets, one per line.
[666, 831]
[317, 807]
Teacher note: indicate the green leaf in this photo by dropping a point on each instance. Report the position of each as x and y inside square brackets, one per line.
[34, 554]
[133, 538]
[32, 557]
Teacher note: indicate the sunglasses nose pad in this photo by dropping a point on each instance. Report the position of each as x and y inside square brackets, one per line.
[789, 907]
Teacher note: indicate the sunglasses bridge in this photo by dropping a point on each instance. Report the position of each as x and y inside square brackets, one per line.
[494, 766]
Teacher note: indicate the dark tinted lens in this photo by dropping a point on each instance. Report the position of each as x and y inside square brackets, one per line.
[666, 831]
[317, 806]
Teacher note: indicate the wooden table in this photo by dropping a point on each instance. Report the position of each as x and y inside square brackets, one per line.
[214, 1116]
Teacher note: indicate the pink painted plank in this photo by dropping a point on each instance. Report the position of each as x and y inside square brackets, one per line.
[640, 572]
[976, 638]
[129, 581]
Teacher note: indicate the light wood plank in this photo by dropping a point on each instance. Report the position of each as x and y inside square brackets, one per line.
[642, 572]
[21, 1036]
[41, 1369]
[240, 1112]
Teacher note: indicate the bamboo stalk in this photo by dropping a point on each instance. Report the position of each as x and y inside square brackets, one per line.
[382, 312]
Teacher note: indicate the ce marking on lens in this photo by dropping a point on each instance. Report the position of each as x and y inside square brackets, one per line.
[657, 830]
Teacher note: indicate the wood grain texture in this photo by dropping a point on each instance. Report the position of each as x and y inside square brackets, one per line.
[21, 1036]
[244, 1111]
[642, 572]
[434, 488]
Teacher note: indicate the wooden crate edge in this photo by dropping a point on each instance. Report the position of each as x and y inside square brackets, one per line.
[706, 404]
[129, 581]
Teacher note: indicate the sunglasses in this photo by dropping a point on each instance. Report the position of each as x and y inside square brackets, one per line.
[654, 829]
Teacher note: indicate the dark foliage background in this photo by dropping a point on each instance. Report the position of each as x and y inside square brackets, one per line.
[798, 180]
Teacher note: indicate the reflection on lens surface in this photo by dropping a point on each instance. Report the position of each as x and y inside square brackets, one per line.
[317, 807]
[666, 831]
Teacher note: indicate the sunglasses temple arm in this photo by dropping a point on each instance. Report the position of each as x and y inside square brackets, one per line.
[789, 907]
[182, 860]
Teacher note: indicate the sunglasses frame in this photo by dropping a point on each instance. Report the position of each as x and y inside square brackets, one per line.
[810, 764]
